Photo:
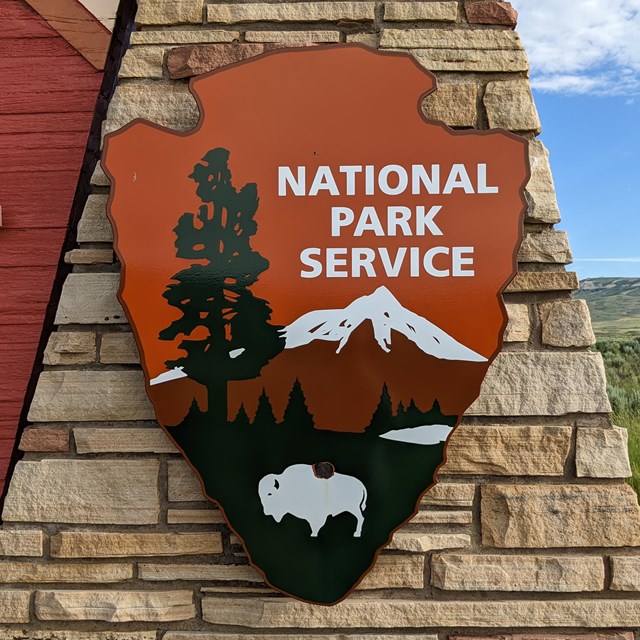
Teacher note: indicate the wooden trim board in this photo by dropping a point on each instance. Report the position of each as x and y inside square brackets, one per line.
[78, 26]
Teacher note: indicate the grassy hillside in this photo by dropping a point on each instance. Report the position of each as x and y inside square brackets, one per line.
[622, 361]
[615, 312]
[614, 305]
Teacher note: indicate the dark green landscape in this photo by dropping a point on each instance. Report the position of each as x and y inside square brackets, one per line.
[615, 312]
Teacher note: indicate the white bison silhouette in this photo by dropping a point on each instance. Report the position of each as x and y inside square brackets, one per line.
[300, 492]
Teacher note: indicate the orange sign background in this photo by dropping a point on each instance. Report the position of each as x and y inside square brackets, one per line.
[308, 118]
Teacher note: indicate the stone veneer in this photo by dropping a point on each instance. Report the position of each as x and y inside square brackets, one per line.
[532, 527]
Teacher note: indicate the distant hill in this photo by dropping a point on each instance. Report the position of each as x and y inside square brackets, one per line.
[614, 304]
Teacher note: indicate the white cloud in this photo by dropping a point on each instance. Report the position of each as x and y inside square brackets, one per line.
[592, 46]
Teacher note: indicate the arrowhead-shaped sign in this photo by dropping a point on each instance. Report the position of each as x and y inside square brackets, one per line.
[314, 278]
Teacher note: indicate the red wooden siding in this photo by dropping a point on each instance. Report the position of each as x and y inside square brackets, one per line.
[48, 93]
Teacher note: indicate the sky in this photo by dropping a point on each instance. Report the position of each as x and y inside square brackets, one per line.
[585, 73]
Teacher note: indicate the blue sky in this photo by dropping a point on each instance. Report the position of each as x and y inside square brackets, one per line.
[585, 70]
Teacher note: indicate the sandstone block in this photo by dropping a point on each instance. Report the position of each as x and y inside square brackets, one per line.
[457, 572]
[115, 606]
[509, 105]
[183, 36]
[90, 298]
[67, 572]
[390, 572]
[293, 38]
[89, 256]
[395, 572]
[472, 60]
[94, 225]
[595, 635]
[455, 104]
[86, 544]
[21, 542]
[165, 103]
[126, 440]
[370, 39]
[508, 450]
[519, 327]
[491, 12]
[119, 348]
[143, 62]
[541, 192]
[99, 177]
[198, 572]
[442, 517]
[436, 11]
[546, 246]
[169, 11]
[355, 613]
[79, 396]
[543, 383]
[216, 635]
[70, 347]
[625, 573]
[475, 39]
[543, 281]
[426, 542]
[45, 440]
[59, 634]
[184, 486]
[193, 60]
[445, 494]
[14, 606]
[560, 516]
[194, 516]
[566, 323]
[602, 453]
[291, 12]
[84, 491]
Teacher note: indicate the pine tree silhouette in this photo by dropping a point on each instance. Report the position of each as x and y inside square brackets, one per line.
[226, 330]
[264, 413]
[242, 419]
[382, 419]
[297, 415]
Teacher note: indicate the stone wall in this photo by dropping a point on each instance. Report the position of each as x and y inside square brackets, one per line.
[531, 532]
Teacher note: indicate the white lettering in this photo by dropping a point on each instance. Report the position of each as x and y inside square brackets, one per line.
[420, 176]
[392, 270]
[459, 261]
[324, 181]
[308, 261]
[362, 259]
[350, 171]
[458, 179]
[369, 182]
[333, 261]
[398, 217]
[429, 257]
[424, 221]
[482, 181]
[369, 221]
[340, 217]
[383, 179]
[286, 177]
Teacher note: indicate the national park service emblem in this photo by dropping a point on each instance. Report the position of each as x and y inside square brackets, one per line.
[314, 278]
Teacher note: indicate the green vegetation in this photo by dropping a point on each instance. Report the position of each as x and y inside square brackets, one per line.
[615, 312]
[622, 361]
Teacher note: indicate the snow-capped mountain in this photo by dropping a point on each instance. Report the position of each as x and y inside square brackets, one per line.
[385, 313]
